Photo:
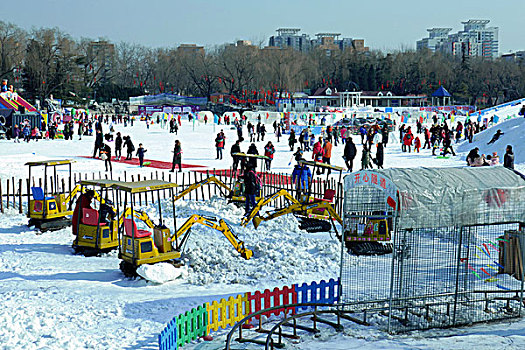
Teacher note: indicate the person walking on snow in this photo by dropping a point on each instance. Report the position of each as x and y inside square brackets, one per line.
[99, 142]
[177, 156]
[407, 140]
[219, 144]
[236, 148]
[417, 144]
[291, 140]
[252, 187]
[508, 158]
[349, 153]
[16, 133]
[269, 150]
[118, 146]
[140, 154]
[129, 147]
[327, 153]
[317, 153]
[106, 156]
[380, 156]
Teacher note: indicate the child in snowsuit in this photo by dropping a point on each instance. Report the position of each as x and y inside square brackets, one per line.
[140, 154]
[417, 144]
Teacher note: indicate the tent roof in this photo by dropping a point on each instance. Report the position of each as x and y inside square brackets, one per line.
[441, 92]
[462, 196]
[460, 178]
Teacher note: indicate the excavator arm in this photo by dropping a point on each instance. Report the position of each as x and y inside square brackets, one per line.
[222, 227]
[142, 216]
[209, 180]
[264, 201]
[298, 208]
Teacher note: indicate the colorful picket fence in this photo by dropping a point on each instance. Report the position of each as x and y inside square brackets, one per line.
[200, 322]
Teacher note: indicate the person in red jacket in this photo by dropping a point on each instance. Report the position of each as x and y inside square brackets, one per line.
[417, 144]
[269, 150]
[407, 140]
[84, 201]
[318, 152]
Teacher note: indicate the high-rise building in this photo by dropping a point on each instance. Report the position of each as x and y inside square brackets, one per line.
[191, 49]
[476, 39]
[290, 37]
[101, 56]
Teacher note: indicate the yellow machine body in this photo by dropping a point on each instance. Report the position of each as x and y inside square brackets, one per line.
[107, 236]
[55, 208]
[375, 229]
[146, 252]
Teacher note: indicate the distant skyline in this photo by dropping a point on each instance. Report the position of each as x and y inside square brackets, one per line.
[385, 25]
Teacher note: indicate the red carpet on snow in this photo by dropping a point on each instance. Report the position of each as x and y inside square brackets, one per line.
[274, 179]
[152, 163]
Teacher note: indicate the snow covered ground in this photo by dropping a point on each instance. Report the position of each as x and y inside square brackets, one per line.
[53, 299]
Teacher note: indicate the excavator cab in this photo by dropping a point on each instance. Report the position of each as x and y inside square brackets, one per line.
[136, 246]
[97, 228]
[49, 209]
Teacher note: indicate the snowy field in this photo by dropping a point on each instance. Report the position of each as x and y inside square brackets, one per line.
[52, 299]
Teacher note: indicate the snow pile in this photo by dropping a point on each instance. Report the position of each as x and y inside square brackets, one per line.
[161, 272]
[281, 250]
[514, 134]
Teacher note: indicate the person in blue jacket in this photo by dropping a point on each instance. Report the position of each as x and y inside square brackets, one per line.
[301, 174]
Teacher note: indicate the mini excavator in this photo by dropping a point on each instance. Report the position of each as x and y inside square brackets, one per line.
[314, 216]
[138, 247]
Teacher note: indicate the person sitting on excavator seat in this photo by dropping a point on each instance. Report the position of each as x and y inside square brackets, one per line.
[83, 202]
[106, 210]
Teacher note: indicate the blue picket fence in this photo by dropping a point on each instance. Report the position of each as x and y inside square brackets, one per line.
[322, 292]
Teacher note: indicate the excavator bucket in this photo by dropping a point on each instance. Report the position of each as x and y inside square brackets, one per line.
[256, 221]
[247, 254]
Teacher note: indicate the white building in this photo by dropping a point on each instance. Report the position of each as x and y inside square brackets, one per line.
[475, 40]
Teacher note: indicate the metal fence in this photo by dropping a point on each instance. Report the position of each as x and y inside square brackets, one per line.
[14, 192]
[438, 274]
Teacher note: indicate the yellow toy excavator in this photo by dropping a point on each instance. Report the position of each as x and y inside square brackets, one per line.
[51, 211]
[97, 229]
[314, 216]
[138, 247]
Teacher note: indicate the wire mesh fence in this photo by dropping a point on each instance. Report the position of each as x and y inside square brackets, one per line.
[448, 267]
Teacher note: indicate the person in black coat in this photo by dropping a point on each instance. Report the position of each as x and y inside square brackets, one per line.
[380, 155]
[495, 137]
[252, 150]
[384, 133]
[508, 158]
[106, 150]
[99, 143]
[177, 156]
[118, 146]
[130, 148]
[349, 153]
[251, 187]
[236, 148]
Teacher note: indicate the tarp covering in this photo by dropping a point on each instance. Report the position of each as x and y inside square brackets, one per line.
[437, 197]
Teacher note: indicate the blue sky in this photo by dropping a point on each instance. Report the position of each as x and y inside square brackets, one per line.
[384, 24]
